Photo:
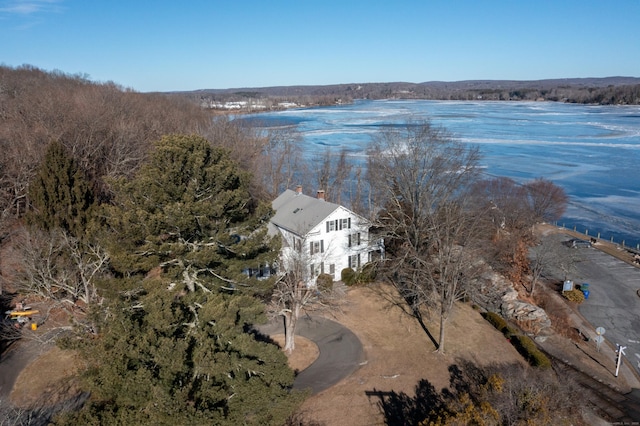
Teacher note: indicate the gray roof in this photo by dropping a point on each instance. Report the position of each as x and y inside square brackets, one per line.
[299, 213]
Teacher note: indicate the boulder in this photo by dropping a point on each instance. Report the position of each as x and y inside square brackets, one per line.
[490, 291]
[533, 317]
[496, 294]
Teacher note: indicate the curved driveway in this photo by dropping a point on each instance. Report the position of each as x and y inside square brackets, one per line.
[340, 351]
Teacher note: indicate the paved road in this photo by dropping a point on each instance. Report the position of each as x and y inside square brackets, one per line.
[613, 301]
[340, 352]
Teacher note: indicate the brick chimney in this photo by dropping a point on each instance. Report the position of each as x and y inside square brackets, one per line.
[299, 189]
[321, 194]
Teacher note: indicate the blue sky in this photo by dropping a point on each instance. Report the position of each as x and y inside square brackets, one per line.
[161, 45]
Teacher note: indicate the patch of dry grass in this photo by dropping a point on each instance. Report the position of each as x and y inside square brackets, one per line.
[399, 353]
[50, 375]
[304, 354]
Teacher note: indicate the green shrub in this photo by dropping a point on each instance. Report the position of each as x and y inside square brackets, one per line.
[348, 276]
[523, 344]
[368, 273]
[574, 295]
[324, 282]
[509, 331]
[528, 349]
[496, 320]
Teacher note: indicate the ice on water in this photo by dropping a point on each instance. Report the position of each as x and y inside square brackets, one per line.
[593, 152]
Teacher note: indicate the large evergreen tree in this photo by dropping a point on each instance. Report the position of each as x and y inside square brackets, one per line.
[60, 195]
[190, 212]
[177, 346]
[173, 357]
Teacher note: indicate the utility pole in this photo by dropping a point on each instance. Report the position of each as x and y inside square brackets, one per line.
[620, 352]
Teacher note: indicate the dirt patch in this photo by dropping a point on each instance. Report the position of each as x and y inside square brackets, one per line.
[399, 353]
[47, 375]
[305, 353]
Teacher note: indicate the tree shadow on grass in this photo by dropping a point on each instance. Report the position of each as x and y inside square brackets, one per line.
[432, 406]
[418, 315]
[491, 394]
[408, 306]
[428, 404]
[399, 408]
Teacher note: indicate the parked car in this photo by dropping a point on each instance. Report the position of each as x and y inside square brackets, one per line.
[577, 242]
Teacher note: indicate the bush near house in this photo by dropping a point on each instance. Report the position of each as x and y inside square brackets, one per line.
[368, 273]
[324, 282]
[348, 276]
[351, 277]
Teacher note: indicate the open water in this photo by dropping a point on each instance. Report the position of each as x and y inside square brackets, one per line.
[593, 152]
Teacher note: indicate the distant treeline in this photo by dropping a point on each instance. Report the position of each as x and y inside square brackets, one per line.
[602, 91]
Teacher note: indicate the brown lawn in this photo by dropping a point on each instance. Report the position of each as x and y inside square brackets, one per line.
[399, 353]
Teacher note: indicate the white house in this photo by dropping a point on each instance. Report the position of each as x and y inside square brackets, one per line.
[329, 236]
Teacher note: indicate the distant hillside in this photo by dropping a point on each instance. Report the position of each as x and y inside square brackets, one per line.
[608, 90]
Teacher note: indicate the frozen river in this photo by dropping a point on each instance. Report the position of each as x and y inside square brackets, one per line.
[593, 152]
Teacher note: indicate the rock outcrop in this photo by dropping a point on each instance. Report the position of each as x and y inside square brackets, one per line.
[496, 294]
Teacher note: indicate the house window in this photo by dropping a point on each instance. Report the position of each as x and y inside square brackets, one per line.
[332, 269]
[331, 225]
[345, 223]
[316, 247]
[322, 267]
[312, 269]
[297, 245]
[354, 239]
[354, 261]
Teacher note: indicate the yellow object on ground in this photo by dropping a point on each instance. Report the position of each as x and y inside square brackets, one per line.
[23, 313]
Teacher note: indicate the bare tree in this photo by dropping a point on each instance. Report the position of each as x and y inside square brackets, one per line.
[58, 267]
[506, 203]
[331, 173]
[282, 161]
[357, 194]
[553, 258]
[300, 288]
[547, 201]
[514, 209]
[422, 178]
[539, 258]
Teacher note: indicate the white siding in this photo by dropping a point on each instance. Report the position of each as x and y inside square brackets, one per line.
[332, 244]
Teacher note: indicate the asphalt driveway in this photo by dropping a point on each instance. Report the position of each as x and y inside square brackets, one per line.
[340, 351]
